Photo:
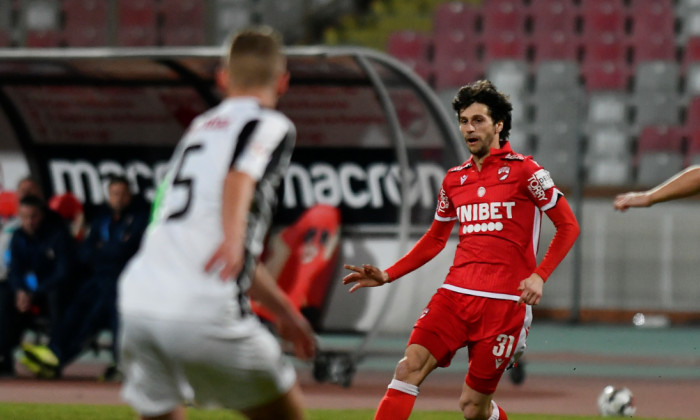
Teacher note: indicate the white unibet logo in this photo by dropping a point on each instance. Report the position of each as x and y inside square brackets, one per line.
[486, 214]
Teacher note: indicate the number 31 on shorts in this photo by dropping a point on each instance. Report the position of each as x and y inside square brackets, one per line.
[504, 348]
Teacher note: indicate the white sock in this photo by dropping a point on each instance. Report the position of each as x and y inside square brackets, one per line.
[495, 413]
[404, 387]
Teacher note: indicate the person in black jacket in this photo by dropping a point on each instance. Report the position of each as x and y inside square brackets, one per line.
[114, 237]
[41, 275]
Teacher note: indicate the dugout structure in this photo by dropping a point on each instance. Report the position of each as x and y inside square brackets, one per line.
[373, 139]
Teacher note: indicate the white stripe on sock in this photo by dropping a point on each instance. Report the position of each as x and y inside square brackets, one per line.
[404, 387]
[495, 413]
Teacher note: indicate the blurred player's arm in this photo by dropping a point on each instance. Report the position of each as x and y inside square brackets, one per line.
[427, 247]
[681, 185]
[239, 188]
[291, 325]
[567, 230]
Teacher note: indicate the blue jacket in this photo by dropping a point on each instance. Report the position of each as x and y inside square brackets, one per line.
[43, 262]
[111, 243]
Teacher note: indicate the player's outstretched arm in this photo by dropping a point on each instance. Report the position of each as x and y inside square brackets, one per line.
[365, 276]
[683, 184]
[239, 188]
[291, 324]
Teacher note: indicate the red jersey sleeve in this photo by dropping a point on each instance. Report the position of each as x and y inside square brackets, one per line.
[567, 230]
[427, 247]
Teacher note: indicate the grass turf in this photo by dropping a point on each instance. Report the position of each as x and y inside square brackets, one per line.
[20, 411]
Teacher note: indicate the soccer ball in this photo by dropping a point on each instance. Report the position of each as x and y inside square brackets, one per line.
[616, 402]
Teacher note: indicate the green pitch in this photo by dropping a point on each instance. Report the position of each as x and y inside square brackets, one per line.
[105, 412]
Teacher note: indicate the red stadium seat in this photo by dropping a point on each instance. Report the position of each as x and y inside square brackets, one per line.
[652, 16]
[557, 45]
[603, 16]
[43, 39]
[605, 46]
[456, 72]
[553, 15]
[455, 15]
[5, 40]
[604, 75]
[660, 138]
[691, 52]
[137, 23]
[652, 46]
[692, 116]
[693, 153]
[413, 49]
[183, 22]
[503, 15]
[504, 45]
[409, 44]
[85, 23]
[453, 45]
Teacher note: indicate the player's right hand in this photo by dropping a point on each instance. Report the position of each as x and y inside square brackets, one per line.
[633, 199]
[365, 276]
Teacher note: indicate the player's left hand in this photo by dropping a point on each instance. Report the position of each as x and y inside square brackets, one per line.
[531, 289]
[297, 330]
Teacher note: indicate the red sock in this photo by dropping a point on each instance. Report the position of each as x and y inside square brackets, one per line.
[501, 414]
[398, 401]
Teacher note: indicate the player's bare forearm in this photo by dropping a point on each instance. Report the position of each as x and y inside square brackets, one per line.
[684, 184]
[365, 276]
[291, 325]
[238, 191]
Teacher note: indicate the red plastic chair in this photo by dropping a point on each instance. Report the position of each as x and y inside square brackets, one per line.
[652, 46]
[557, 45]
[553, 15]
[504, 45]
[503, 15]
[43, 39]
[183, 22]
[660, 138]
[604, 46]
[604, 75]
[85, 23]
[603, 16]
[453, 15]
[137, 23]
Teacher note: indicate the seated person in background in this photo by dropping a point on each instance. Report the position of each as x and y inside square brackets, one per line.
[9, 203]
[41, 276]
[114, 237]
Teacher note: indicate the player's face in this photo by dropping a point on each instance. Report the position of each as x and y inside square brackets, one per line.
[478, 129]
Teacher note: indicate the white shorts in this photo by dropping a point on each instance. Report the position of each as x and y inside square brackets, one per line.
[168, 363]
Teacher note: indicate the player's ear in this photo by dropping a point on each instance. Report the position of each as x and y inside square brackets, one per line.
[283, 83]
[499, 126]
[222, 80]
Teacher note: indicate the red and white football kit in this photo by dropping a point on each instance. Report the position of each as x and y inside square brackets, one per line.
[498, 211]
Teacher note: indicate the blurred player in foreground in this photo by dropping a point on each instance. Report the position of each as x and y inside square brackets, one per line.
[497, 198]
[684, 184]
[189, 335]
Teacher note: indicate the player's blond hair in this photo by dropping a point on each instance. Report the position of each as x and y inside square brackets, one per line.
[255, 57]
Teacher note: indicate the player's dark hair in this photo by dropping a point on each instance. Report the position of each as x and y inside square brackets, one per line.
[118, 179]
[484, 92]
[33, 201]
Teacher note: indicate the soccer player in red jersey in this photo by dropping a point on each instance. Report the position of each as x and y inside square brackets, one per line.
[496, 198]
